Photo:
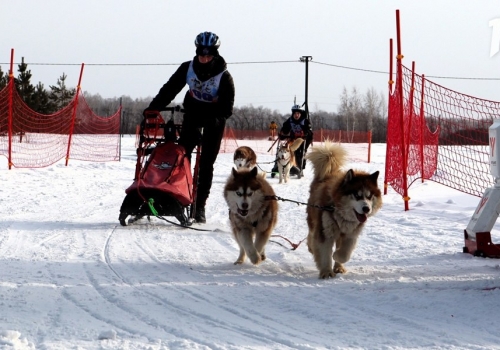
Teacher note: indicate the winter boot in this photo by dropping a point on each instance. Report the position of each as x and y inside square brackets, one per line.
[199, 216]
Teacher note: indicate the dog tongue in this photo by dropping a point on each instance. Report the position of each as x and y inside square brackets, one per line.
[361, 217]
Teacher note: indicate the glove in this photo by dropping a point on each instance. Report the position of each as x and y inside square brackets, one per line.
[299, 134]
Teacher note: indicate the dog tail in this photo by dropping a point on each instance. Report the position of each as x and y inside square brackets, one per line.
[296, 144]
[326, 159]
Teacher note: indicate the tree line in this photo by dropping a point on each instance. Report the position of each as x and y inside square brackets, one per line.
[37, 97]
[356, 111]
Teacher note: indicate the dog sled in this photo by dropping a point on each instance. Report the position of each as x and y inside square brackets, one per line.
[163, 184]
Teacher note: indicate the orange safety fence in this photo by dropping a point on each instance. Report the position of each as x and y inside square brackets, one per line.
[33, 140]
[95, 138]
[357, 143]
[437, 134]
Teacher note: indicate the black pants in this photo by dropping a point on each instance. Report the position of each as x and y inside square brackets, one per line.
[300, 152]
[210, 145]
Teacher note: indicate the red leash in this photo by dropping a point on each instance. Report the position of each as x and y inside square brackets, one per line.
[294, 245]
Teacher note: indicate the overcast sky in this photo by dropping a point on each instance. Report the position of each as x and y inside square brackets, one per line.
[445, 38]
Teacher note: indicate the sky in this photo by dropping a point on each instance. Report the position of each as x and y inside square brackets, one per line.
[262, 41]
[73, 278]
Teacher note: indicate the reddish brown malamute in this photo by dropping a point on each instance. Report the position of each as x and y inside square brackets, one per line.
[340, 202]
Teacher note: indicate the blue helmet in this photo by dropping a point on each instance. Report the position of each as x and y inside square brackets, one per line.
[207, 39]
[296, 108]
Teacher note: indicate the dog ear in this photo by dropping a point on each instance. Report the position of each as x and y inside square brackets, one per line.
[254, 171]
[374, 177]
[234, 172]
[348, 176]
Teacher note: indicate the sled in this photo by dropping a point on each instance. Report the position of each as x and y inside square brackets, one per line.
[163, 184]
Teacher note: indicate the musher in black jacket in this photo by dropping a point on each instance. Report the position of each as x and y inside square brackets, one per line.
[294, 127]
[207, 104]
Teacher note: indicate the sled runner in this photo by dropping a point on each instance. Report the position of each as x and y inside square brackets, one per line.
[163, 184]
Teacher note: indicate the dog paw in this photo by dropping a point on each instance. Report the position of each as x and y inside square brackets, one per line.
[339, 268]
[262, 256]
[255, 259]
[238, 262]
[326, 274]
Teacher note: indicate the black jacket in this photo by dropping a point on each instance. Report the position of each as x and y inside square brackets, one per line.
[296, 128]
[222, 108]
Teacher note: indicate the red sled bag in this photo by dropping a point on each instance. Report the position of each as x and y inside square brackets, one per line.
[164, 187]
[167, 171]
[163, 182]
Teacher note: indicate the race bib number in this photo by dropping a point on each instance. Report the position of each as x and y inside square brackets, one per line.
[206, 91]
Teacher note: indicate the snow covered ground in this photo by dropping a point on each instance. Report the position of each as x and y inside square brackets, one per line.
[72, 278]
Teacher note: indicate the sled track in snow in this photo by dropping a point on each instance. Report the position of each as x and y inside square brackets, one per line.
[281, 331]
[158, 300]
[140, 316]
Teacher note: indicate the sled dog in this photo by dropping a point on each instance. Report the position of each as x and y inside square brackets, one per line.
[252, 213]
[244, 157]
[340, 202]
[285, 157]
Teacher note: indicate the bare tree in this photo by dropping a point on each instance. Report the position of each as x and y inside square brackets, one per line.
[371, 107]
[350, 108]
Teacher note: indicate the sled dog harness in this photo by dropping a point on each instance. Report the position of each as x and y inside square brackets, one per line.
[205, 91]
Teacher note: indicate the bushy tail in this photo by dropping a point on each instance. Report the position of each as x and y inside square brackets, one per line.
[326, 159]
[296, 144]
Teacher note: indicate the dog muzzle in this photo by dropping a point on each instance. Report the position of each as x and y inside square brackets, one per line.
[242, 212]
[361, 217]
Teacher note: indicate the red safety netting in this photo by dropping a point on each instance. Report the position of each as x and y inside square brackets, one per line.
[439, 135]
[4, 113]
[229, 143]
[95, 138]
[32, 140]
[357, 143]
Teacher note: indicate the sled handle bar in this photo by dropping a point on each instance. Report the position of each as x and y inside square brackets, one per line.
[156, 113]
[173, 109]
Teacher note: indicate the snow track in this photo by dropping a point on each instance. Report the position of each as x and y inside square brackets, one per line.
[72, 277]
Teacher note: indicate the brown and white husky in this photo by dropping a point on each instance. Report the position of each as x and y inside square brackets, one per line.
[285, 158]
[252, 212]
[340, 203]
[244, 157]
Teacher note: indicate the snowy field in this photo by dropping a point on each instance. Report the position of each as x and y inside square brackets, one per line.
[73, 278]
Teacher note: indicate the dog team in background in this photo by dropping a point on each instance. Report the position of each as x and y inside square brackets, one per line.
[295, 127]
[286, 159]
